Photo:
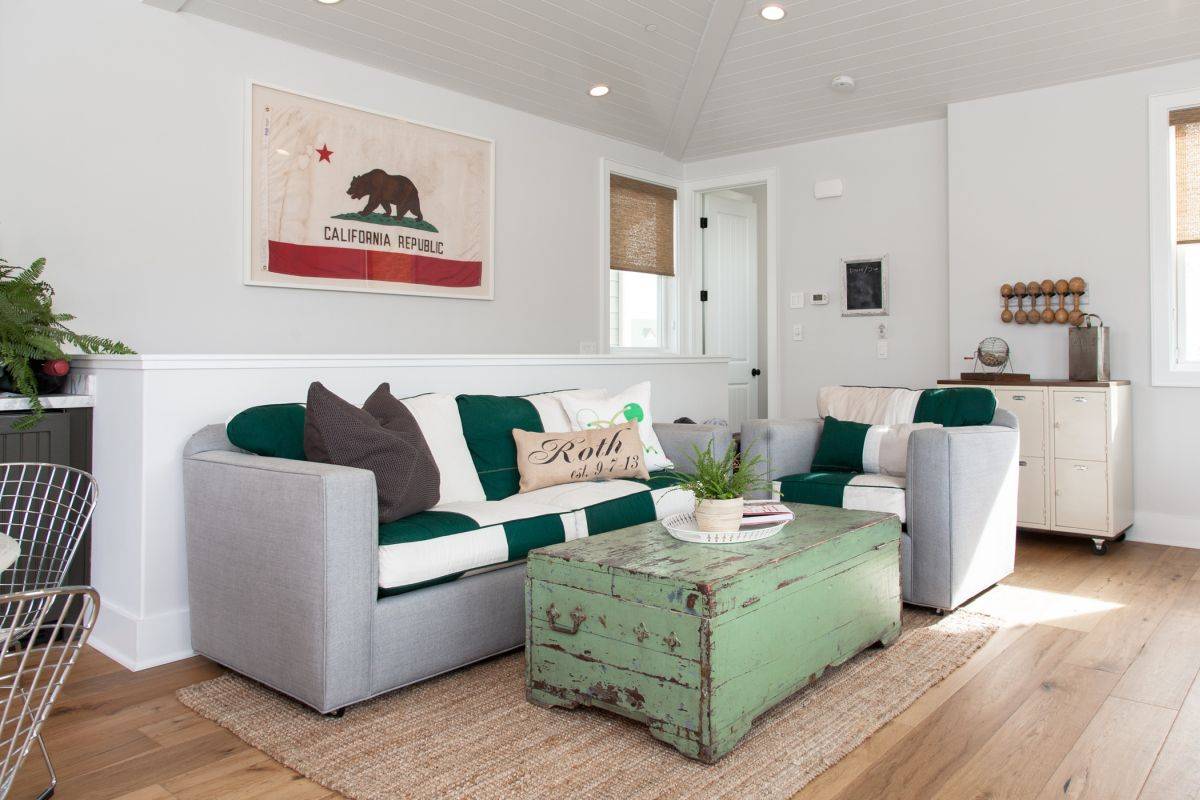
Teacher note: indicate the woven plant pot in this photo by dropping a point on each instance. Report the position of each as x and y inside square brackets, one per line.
[719, 515]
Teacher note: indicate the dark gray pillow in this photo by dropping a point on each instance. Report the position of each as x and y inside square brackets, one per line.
[391, 446]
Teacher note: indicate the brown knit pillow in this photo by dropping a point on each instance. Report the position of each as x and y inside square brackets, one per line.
[391, 446]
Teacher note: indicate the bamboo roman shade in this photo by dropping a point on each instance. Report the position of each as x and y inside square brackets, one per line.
[641, 226]
[1186, 122]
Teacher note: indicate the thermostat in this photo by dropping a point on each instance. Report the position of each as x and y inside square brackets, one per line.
[819, 298]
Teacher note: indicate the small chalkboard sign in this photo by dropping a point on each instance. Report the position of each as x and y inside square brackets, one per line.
[865, 286]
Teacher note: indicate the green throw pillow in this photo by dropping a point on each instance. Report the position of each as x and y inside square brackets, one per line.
[275, 430]
[841, 446]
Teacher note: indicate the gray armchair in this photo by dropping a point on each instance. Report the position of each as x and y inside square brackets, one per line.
[960, 501]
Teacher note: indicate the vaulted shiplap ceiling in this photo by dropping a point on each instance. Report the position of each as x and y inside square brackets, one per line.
[703, 78]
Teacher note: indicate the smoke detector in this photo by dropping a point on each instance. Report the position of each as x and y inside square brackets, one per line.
[843, 83]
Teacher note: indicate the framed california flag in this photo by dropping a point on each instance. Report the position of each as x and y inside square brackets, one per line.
[351, 200]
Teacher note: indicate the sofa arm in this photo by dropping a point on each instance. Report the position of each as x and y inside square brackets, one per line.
[283, 571]
[787, 446]
[962, 512]
[679, 441]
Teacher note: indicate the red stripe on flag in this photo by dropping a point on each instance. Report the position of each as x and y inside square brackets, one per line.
[346, 263]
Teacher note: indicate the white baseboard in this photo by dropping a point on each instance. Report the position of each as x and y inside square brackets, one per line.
[1156, 527]
[141, 643]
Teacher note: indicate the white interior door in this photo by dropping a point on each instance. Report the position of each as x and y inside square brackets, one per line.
[731, 311]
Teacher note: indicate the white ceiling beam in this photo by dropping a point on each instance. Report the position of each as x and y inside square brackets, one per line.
[721, 23]
[167, 5]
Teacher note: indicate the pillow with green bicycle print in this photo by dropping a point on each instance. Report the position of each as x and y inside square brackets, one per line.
[631, 405]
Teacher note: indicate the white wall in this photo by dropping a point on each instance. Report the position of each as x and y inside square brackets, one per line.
[122, 164]
[1050, 184]
[894, 203]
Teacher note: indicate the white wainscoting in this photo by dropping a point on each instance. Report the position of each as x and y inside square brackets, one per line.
[147, 406]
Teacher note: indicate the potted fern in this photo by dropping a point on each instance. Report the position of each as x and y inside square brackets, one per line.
[720, 486]
[31, 333]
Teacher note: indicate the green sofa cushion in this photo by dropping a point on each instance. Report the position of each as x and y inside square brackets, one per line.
[841, 446]
[274, 430]
[956, 406]
[488, 422]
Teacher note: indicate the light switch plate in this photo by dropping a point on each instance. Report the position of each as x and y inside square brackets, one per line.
[797, 300]
[797, 332]
[881, 348]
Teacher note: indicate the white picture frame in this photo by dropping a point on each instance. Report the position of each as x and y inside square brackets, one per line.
[255, 242]
[865, 286]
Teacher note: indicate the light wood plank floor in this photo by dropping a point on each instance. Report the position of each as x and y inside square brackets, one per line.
[1089, 691]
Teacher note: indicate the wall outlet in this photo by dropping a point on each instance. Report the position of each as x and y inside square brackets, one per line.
[797, 300]
[587, 347]
[797, 332]
[881, 348]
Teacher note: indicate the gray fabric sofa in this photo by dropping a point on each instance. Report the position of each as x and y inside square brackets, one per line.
[959, 504]
[283, 572]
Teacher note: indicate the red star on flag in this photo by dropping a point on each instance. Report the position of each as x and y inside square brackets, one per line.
[324, 152]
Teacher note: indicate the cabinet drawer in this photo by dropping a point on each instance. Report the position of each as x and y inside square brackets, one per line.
[1080, 494]
[1029, 407]
[1031, 492]
[1080, 425]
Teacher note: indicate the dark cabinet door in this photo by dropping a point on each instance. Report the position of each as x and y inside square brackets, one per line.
[62, 436]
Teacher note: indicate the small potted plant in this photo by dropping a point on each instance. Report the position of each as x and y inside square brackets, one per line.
[720, 486]
[32, 335]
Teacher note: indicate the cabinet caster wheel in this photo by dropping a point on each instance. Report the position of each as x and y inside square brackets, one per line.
[1100, 546]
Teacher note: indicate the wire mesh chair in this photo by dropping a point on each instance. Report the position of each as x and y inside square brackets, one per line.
[38, 653]
[46, 509]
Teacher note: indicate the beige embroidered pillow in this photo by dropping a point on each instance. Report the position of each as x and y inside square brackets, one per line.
[548, 459]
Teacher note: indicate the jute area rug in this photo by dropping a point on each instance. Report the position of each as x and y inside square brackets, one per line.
[471, 734]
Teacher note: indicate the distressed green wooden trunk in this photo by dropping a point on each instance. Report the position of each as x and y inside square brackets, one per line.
[697, 641]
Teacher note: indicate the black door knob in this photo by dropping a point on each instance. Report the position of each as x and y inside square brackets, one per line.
[754, 373]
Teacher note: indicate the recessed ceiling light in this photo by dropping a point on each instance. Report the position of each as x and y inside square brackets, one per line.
[599, 90]
[843, 83]
[773, 12]
[329, 2]
[651, 27]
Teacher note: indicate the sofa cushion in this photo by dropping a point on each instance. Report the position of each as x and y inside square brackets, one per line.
[856, 491]
[841, 446]
[460, 539]
[274, 430]
[338, 432]
[437, 416]
[955, 406]
[487, 425]
[858, 447]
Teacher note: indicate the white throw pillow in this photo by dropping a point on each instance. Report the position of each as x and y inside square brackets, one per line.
[441, 425]
[586, 413]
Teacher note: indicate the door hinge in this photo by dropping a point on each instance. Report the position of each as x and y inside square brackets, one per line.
[704, 222]
[704, 295]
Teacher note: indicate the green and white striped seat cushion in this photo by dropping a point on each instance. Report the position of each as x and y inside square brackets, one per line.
[457, 539]
[851, 490]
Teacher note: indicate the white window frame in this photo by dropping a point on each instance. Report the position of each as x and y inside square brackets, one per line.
[668, 298]
[1168, 367]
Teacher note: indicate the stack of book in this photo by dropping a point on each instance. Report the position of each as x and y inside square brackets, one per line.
[757, 515]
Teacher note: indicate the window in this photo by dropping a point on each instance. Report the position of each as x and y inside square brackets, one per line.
[641, 256]
[1185, 163]
[1175, 238]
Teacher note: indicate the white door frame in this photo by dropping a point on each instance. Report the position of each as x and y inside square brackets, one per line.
[690, 316]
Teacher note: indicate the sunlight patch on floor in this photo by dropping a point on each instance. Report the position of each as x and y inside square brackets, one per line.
[1023, 606]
